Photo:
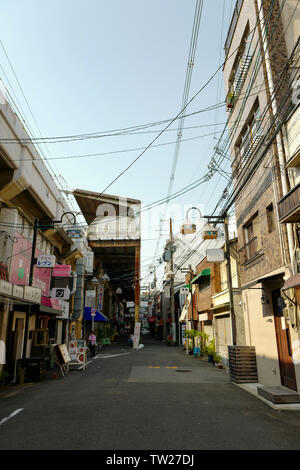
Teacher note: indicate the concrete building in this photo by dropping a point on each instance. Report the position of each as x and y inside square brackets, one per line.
[262, 60]
[33, 211]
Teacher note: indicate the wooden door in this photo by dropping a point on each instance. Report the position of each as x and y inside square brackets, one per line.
[284, 346]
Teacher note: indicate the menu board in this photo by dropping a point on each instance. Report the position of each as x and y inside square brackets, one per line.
[77, 350]
[64, 355]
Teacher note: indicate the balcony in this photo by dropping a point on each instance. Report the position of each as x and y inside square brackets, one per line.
[238, 81]
[250, 251]
[289, 206]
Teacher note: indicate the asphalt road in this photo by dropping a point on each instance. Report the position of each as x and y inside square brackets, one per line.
[154, 398]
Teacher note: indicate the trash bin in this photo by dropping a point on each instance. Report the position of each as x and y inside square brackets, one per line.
[33, 369]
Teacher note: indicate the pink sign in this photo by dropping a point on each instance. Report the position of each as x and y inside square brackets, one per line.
[20, 266]
[61, 270]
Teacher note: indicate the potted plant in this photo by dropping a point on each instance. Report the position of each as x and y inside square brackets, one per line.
[210, 351]
[190, 335]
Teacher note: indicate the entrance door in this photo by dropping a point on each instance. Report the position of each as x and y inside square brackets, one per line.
[287, 370]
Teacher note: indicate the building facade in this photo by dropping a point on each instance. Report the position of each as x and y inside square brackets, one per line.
[261, 64]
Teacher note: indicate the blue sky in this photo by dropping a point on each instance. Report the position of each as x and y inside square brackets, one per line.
[95, 65]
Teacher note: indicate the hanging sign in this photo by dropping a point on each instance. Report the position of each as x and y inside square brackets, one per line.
[100, 303]
[60, 293]
[188, 228]
[210, 233]
[62, 270]
[46, 261]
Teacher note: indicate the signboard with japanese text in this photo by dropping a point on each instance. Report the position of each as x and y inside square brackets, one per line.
[46, 261]
[100, 297]
[136, 336]
[20, 266]
[62, 270]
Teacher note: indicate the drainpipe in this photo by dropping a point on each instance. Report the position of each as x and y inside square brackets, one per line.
[278, 138]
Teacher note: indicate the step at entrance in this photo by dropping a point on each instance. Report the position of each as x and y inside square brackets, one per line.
[279, 395]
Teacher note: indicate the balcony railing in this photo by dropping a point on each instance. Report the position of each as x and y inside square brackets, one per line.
[238, 82]
[245, 151]
[232, 26]
[289, 206]
[250, 250]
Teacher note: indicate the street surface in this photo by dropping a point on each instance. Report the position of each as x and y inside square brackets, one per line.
[154, 398]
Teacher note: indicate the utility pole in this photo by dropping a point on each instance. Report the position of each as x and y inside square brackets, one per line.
[172, 303]
[28, 311]
[224, 220]
[229, 280]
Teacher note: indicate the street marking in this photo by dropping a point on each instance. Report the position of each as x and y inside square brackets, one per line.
[154, 367]
[112, 355]
[14, 413]
[171, 367]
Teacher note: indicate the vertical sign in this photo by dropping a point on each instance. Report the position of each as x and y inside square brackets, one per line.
[100, 299]
[136, 337]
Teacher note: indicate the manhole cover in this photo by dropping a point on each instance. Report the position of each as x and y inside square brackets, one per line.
[183, 370]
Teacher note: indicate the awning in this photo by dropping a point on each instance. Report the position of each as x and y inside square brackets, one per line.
[98, 317]
[49, 305]
[205, 272]
[293, 281]
[183, 316]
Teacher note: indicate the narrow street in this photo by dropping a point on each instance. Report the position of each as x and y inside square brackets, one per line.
[154, 398]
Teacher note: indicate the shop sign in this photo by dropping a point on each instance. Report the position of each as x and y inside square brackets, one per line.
[136, 336]
[62, 293]
[129, 304]
[46, 261]
[20, 266]
[188, 229]
[74, 233]
[18, 291]
[5, 287]
[77, 351]
[65, 307]
[215, 255]
[90, 298]
[62, 270]
[89, 262]
[100, 298]
[33, 294]
[184, 291]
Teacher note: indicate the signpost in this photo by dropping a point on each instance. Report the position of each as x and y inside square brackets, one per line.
[136, 337]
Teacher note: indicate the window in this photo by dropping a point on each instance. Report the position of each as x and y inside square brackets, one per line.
[204, 283]
[270, 218]
[252, 237]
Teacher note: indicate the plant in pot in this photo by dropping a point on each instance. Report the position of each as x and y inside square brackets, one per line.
[190, 335]
[211, 351]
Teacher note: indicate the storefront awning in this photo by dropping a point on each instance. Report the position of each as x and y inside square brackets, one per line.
[293, 281]
[98, 317]
[49, 305]
[205, 272]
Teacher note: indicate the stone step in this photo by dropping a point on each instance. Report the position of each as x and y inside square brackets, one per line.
[279, 394]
